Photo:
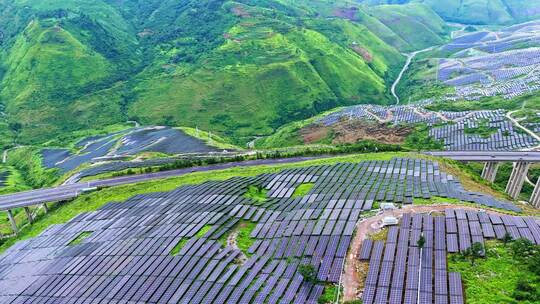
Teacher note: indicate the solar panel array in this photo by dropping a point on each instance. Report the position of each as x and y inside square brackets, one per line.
[4, 175]
[504, 137]
[500, 69]
[399, 272]
[127, 256]
[448, 127]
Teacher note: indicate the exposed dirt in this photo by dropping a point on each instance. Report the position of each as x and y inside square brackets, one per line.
[240, 12]
[355, 271]
[363, 52]
[346, 13]
[231, 242]
[355, 130]
[314, 133]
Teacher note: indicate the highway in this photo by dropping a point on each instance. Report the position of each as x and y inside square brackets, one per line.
[489, 156]
[70, 191]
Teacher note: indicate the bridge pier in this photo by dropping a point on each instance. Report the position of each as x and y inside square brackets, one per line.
[517, 178]
[28, 215]
[12, 221]
[490, 171]
[45, 208]
[535, 196]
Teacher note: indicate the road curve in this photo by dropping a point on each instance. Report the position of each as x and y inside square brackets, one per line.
[410, 57]
[517, 124]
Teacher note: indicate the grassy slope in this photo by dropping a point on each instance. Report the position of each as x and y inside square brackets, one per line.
[267, 73]
[478, 11]
[27, 161]
[415, 23]
[210, 139]
[14, 182]
[92, 201]
[44, 63]
[472, 11]
[493, 279]
[419, 81]
[287, 135]
[235, 68]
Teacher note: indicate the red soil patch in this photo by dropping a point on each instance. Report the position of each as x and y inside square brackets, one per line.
[363, 52]
[240, 12]
[346, 132]
[346, 13]
[314, 133]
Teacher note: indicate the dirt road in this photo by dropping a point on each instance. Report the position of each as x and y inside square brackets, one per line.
[351, 277]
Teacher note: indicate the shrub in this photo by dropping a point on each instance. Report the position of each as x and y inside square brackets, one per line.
[474, 252]
[308, 272]
[534, 262]
[525, 291]
[507, 238]
[421, 241]
[523, 248]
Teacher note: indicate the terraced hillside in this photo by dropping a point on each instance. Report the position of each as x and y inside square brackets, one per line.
[217, 242]
[478, 11]
[240, 68]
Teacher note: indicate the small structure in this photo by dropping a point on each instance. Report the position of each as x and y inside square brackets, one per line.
[388, 206]
[390, 221]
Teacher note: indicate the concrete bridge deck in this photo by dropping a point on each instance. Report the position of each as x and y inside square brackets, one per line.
[489, 156]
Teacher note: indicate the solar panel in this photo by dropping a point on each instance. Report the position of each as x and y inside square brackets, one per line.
[128, 256]
[365, 250]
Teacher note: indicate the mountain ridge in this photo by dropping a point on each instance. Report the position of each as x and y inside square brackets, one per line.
[237, 68]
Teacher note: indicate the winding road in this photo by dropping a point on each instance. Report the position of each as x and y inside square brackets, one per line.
[517, 124]
[410, 57]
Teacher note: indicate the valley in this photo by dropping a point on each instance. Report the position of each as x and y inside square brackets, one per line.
[270, 151]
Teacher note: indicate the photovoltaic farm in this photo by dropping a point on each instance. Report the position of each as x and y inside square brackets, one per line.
[500, 134]
[191, 245]
[127, 143]
[501, 63]
[4, 174]
[486, 130]
[402, 272]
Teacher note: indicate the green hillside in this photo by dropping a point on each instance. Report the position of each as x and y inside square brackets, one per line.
[477, 11]
[238, 68]
[415, 23]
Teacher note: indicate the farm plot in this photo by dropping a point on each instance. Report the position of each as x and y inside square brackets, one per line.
[400, 271]
[168, 247]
